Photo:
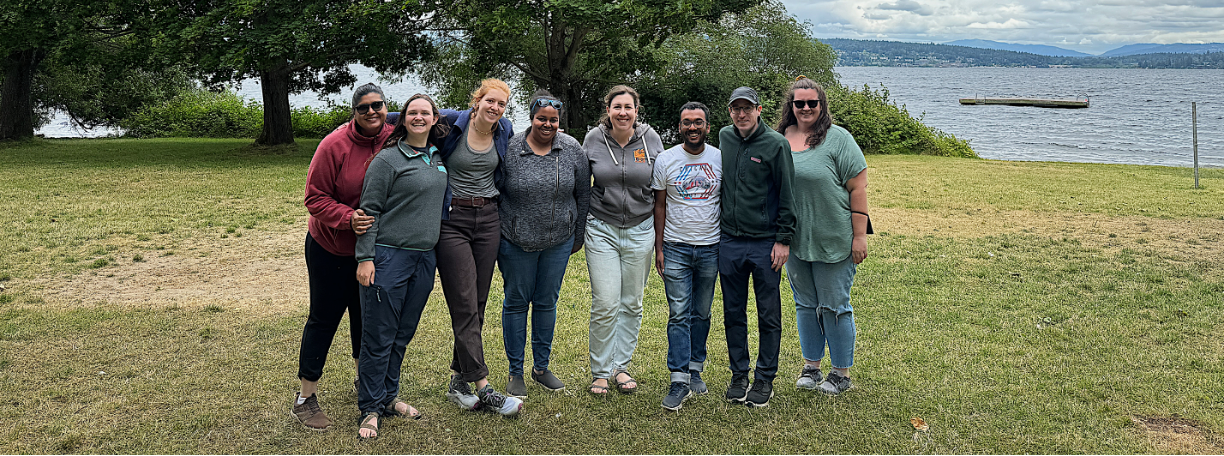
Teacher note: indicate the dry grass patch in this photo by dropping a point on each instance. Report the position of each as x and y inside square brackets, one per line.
[1177, 435]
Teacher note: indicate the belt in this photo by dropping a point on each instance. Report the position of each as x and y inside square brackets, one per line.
[476, 201]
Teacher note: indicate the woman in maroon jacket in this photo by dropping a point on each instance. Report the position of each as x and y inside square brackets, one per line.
[333, 191]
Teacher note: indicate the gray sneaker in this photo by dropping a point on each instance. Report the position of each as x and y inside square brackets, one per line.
[676, 395]
[835, 384]
[460, 393]
[516, 387]
[547, 380]
[809, 378]
[738, 389]
[493, 400]
[759, 394]
[697, 385]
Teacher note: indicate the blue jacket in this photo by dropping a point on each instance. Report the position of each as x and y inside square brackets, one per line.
[458, 120]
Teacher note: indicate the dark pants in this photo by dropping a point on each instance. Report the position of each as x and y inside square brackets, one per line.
[333, 289]
[393, 304]
[738, 259]
[467, 252]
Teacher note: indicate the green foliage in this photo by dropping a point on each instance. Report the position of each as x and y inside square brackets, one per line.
[881, 127]
[316, 123]
[197, 113]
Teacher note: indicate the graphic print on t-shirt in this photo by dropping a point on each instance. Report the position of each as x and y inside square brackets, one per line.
[696, 182]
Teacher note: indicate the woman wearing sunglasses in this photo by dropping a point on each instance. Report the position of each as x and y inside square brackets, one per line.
[831, 238]
[333, 189]
[474, 152]
[619, 235]
[543, 209]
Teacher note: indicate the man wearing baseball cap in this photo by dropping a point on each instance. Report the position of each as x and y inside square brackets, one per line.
[757, 227]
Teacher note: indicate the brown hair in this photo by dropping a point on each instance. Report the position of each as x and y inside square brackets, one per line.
[436, 134]
[616, 92]
[823, 121]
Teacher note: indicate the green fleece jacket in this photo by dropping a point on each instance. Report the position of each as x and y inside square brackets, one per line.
[756, 187]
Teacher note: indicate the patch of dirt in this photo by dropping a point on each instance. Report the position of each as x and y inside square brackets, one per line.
[1176, 435]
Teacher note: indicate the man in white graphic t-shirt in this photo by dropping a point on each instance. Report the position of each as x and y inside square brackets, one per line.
[686, 218]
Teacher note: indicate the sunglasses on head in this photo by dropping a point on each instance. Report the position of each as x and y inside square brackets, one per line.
[364, 108]
[542, 102]
[812, 104]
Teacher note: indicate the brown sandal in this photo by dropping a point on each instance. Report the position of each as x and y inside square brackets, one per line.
[390, 410]
[597, 390]
[620, 386]
[365, 421]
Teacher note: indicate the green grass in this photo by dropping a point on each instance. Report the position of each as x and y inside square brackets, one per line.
[1004, 342]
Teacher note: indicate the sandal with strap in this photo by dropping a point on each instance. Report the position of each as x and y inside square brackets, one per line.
[391, 410]
[365, 421]
[598, 390]
[620, 386]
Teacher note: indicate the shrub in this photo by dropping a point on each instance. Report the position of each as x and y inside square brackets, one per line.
[197, 113]
[881, 127]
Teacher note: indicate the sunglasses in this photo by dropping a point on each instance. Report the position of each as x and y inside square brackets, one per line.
[811, 104]
[543, 102]
[364, 108]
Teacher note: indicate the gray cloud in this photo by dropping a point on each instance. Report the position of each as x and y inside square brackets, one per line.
[908, 5]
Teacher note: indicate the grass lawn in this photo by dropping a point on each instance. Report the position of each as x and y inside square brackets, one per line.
[154, 295]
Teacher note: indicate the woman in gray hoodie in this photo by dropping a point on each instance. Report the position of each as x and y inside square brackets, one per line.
[619, 235]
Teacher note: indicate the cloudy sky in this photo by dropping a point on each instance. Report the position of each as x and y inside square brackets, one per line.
[1085, 26]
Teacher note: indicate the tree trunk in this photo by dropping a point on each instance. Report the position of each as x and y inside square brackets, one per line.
[277, 125]
[16, 103]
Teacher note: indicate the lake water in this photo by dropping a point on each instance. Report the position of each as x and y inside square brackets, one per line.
[1137, 116]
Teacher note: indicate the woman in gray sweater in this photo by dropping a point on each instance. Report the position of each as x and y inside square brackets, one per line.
[544, 198]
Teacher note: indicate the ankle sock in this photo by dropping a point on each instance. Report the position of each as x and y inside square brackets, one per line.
[301, 399]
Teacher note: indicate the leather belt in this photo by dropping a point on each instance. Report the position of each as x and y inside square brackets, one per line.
[476, 201]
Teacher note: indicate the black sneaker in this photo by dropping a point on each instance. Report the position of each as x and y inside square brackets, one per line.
[835, 384]
[809, 378]
[739, 388]
[459, 392]
[697, 384]
[547, 380]
[676, 395]
[516, 387]
[760, 393]
[495, 401]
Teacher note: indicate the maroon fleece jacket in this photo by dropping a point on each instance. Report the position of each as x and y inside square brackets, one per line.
[333, 185]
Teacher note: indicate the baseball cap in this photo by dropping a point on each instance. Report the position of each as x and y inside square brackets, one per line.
[745, 93]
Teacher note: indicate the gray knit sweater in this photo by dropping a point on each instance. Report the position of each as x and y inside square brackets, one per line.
[544, 199]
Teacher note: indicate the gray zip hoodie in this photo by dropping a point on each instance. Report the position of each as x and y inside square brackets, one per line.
[621, 195]
[544, 198]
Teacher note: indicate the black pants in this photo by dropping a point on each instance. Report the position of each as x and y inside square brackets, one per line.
[467, 252]
[738, 259]
[333, 289]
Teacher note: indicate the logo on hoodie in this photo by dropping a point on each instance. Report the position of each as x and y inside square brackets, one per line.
[639, 155]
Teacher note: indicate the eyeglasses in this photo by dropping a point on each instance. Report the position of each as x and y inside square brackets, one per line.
[811, 104]
[543, 102]
[364, 108]
[693, 123]
[742, 110]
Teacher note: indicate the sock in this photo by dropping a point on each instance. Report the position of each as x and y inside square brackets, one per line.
[301, 400]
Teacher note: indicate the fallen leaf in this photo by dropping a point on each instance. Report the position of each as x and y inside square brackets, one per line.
[919, 424]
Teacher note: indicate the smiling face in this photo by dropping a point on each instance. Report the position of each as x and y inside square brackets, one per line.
[492, 105]
[372, 121]
[622, 111]
[744, 115]
[806, 114]
[544, 124]
[419, 117]
[694, 128]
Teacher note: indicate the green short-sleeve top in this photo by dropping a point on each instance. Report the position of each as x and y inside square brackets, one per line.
[822, 203]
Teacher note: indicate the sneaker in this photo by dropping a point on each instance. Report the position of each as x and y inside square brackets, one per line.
[460, 393]
[493, 400]
[516, 386]
[835, 384]
[760, 393]
[739, 388]
[676, 395]
[310, 414]
[697, 385]
[547, 380]
[809, 378]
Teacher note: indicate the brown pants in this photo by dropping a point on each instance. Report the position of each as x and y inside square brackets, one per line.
[467, 252]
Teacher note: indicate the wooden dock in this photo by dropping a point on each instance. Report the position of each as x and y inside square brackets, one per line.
[1074, 103]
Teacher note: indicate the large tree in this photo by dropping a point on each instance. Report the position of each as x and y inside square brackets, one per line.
[293, 46]
[574, 48]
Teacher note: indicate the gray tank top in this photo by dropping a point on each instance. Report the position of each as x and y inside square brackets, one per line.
[471, 171]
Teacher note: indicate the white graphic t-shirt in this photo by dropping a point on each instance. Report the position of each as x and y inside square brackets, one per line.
[692, 183]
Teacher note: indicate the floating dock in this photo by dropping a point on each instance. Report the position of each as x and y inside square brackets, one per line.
[1074, 103]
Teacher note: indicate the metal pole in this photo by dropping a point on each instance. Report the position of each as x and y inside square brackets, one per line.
[1194, 134]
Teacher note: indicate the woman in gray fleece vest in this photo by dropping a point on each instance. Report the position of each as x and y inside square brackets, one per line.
[619, 235]
[544, 198]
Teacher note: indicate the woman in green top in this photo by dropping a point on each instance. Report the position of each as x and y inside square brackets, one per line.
[830, 207]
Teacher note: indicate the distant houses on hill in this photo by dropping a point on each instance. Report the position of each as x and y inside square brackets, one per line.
[901, 54]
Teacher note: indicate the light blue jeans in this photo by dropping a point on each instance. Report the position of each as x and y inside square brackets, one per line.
[618, 260]
[689, 275]
[822, 308]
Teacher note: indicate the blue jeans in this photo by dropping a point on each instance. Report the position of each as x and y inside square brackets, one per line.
[532, 281]
[739, 259]
[618, 260]
[822, 308]
[391, 309]
[689, 274]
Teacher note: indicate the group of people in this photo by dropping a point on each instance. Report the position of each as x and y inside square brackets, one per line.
[394, 197]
